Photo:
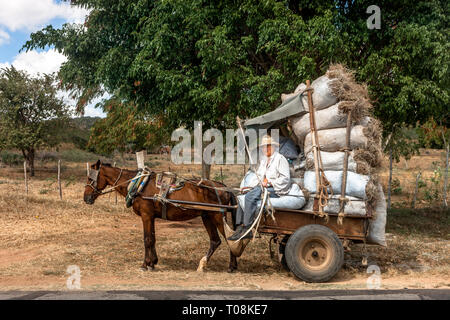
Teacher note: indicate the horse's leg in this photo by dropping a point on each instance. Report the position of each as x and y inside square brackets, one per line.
[218, 222]
[150, 258]
[214, 240]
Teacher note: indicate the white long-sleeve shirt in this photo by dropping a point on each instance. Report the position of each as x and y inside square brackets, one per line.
[276, 170]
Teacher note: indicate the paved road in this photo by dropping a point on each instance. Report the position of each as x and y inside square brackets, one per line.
[407, 294]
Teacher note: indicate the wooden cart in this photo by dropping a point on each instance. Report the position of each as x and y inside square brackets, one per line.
[309, 245]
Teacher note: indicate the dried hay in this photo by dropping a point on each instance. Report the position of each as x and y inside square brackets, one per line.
[354, 96]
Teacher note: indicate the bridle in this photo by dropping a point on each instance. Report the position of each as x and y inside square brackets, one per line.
[93, 176]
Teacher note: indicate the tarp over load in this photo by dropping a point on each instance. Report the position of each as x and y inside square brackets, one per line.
[348, 146]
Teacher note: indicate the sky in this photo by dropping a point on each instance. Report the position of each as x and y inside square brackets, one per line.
[20, 18]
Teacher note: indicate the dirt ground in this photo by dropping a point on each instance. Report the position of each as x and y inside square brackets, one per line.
[41, 235]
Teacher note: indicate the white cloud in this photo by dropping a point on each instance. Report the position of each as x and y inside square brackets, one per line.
[32, 15]
[50, 61]
[39, 62]
[4, 37]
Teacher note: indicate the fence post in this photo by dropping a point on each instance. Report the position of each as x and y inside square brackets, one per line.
[25, 174]
[390, 179]
[446, 177]
[59, 179]
[416, 190]
[115, 193]
[221, 174]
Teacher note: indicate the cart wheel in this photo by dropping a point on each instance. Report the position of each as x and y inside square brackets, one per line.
[282, 250]
[314, 253]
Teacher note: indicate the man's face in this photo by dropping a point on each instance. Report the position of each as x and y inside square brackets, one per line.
[268, 150]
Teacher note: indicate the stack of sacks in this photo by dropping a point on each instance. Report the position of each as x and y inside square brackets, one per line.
[335, 94]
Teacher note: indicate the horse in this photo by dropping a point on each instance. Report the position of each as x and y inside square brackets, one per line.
[198, 190]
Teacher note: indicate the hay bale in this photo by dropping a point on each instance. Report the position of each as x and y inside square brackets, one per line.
[335, 161]
[345, 88]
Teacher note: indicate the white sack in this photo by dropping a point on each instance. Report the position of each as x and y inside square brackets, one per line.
[377, 225]
[334, 160]
[293, 200]
[354, 206]
[250, 180]
[328, 118]
[356, 183]
[322, 96]
[333, 140]
[286, 96]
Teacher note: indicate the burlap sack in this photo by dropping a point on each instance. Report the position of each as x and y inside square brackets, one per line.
[356, 183]
[328, 118]
[322, 95]
[335, 161]
[377, 225]
[333, 140]
[354, 206]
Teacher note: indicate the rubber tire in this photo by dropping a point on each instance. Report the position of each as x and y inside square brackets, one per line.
[281, 250]
[314, 231]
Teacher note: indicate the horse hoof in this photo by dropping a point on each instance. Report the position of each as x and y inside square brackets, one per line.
[202, 264]
[231, 270]
[144, 268]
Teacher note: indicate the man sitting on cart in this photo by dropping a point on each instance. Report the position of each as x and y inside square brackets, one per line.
[273, 172]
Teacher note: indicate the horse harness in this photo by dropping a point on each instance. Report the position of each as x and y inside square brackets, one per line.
[93, 177]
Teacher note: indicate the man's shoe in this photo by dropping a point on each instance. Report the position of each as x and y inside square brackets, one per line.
[235, 236]
[248, 235]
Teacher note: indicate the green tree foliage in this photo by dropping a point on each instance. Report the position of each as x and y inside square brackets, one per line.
[31, 114]
[124, 130]
[213, 60]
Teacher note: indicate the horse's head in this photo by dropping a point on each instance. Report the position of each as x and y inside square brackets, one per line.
[95, 184]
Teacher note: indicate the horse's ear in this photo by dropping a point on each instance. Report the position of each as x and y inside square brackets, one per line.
[97, 164]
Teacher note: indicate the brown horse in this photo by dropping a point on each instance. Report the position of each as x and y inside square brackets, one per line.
[148, 210]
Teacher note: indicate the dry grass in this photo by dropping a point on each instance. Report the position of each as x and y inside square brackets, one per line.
[40, 236]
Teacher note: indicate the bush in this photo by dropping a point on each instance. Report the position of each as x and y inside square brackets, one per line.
[11, 159]
[47, 157]
[395, 186]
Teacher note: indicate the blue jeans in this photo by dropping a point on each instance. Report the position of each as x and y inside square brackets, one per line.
[252, 197]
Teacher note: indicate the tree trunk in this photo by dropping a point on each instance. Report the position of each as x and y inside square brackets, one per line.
[446, 178]
[416, 189]
[390, 180]
[29, 156]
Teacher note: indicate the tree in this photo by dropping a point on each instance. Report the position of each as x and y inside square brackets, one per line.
[30, 113]
[402, 142]
[125, 129]
[211, 61]
[437, 134]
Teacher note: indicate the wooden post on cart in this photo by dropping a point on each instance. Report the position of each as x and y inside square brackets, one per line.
[312, 123]
[343, 199]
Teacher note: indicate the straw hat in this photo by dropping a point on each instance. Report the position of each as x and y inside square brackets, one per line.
[266, 140]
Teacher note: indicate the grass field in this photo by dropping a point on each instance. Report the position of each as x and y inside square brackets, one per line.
[41, 235]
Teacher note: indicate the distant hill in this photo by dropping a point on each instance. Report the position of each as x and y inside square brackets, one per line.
[78, 131]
